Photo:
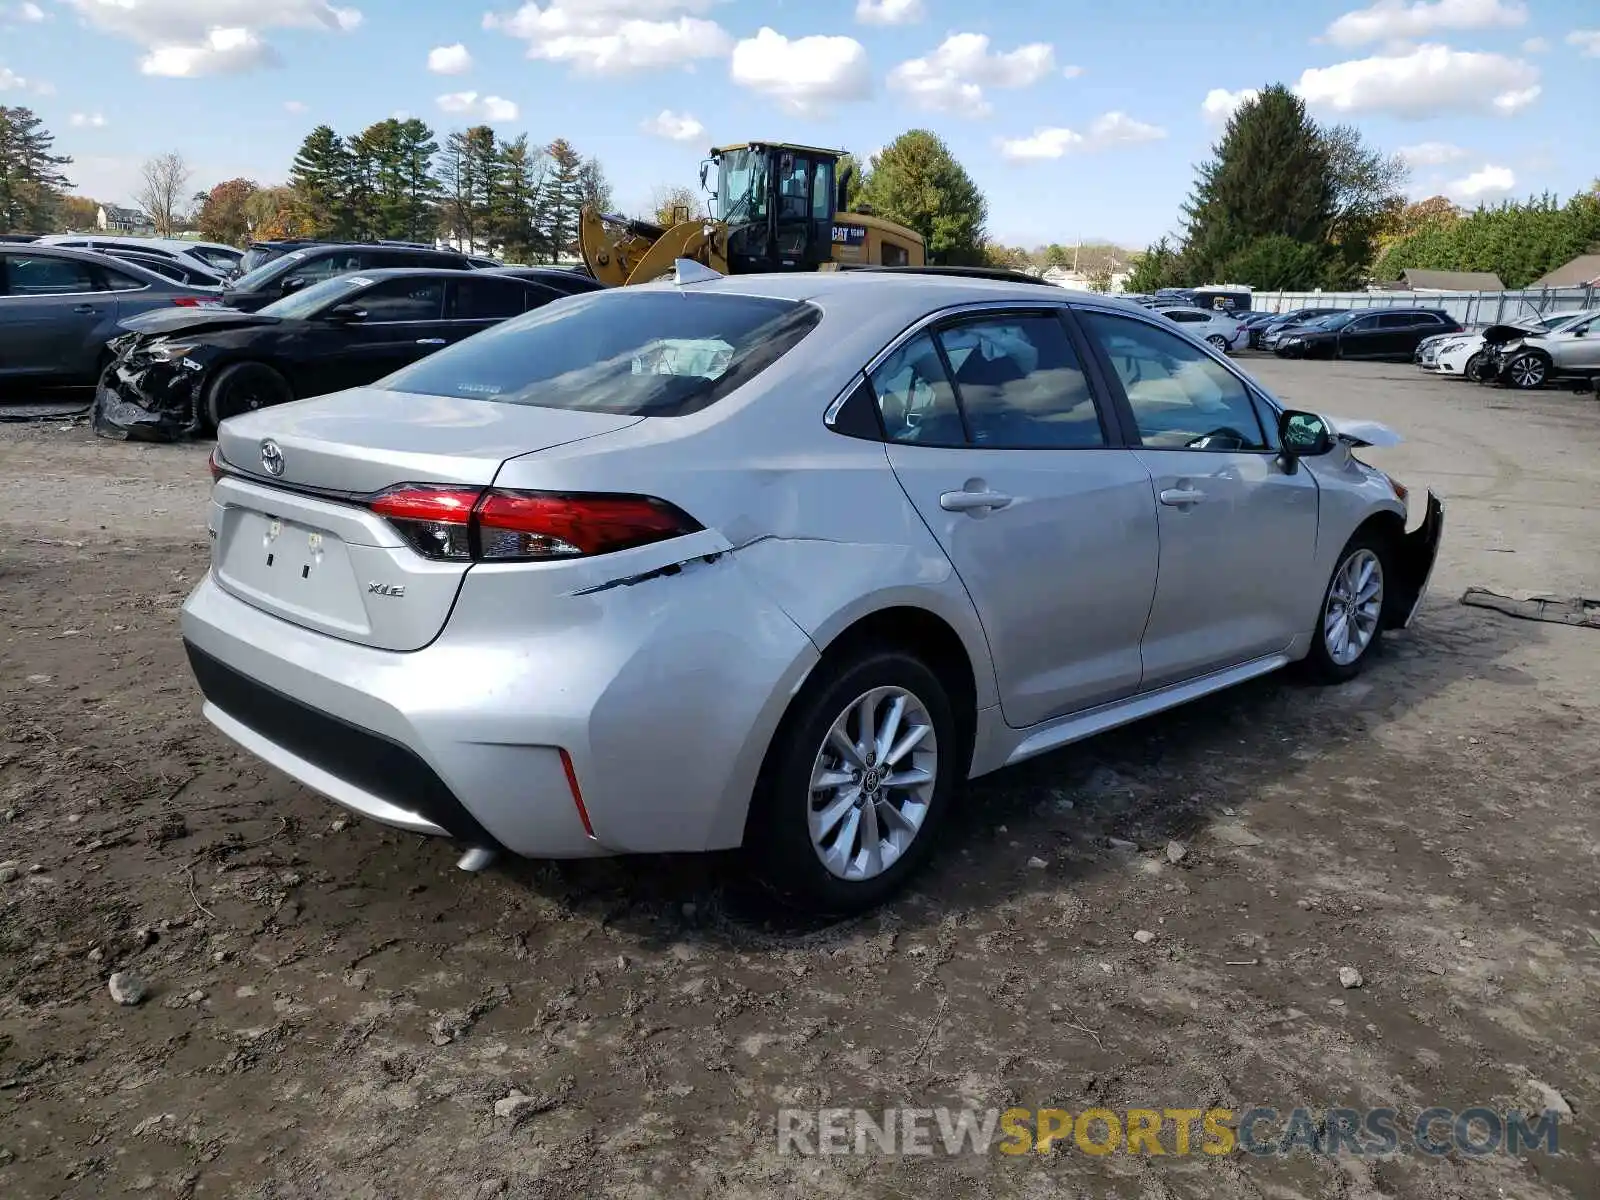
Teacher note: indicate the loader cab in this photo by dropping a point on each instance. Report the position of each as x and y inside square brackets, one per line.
[778, 204]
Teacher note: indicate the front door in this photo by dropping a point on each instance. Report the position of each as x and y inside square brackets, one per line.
[50, 308]
[999, 441]
[1238, 534]
[1361, 338]
[404, 321]
[1577, 347]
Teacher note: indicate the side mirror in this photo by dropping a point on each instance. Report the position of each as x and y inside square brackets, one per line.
[293, 284]
[1302, 435]
[345, 314]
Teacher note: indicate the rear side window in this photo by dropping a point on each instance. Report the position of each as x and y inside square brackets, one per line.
[480, 299]
[116, 281]
[632, 353]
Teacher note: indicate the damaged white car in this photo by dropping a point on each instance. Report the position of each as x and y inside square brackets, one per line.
[776, 562]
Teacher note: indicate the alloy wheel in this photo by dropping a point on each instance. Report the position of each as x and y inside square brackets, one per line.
[872, 783]
[1355, 603]
[1527, 371]
[1217, 340]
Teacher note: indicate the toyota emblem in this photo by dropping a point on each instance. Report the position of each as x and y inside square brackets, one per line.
[271, 458]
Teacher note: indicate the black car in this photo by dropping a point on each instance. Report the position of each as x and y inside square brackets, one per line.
[179, 373]
[305, 265]
[1265, 324]
[563, 279]
[1390, 333]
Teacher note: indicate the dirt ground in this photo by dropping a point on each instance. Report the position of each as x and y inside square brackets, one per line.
[335, 1010]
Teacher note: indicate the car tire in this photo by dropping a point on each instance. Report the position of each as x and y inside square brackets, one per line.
[1473, 371]
[244, 387]
[788, 834]
[1527, 371]
[1218, 341]
[1339, 652]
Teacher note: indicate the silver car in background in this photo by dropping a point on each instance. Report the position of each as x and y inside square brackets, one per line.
[773, 561]
[59, 308]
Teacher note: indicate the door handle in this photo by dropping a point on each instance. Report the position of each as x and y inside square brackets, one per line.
[972, 501]
[84, 309]
[1181, 496]
[430, 341]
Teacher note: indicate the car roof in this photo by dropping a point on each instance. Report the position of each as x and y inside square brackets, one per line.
[133, 242]
[36, 249]
[401, 272]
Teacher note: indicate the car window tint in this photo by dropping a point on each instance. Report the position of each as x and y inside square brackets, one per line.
[628, 351]
[118, 282]
[1182, 317]
[915, 397]
[326, 266]
[37, 275]
[220, 259]
[1397, 321]
[409, 298]
[488, 299]
[1181, 397]
[1019, 383]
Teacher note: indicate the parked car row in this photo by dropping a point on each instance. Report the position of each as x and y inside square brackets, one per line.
[1523, 354]
[1389, 334]
[64, 309]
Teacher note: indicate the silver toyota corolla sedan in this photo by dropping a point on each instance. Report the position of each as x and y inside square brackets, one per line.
[774, 562]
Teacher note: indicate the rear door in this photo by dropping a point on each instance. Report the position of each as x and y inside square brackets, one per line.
[404, 321]
[999, 437]
[478, 302]
[1237, 534]
[50, 311]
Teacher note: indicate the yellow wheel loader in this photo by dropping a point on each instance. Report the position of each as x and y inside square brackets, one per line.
[775, 207]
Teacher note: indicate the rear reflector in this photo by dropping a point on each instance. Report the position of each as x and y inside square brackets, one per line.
[443, 522]
[218, 467]
[577, 793]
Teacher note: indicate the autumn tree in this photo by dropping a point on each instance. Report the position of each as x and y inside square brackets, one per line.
[917, 182]
[223, 215]
[669, 203]
[76, 213]
[272, 213]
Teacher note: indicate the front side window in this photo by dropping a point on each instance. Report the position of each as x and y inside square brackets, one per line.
[625, 352]
[1182, 398]
[37, 275]
[1019, 383]
[408, 298]
[1360, 325]
[794, 199]
[221, 259]
[1398, 321]
[742, 186]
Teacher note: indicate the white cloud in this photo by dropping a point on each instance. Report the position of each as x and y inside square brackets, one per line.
[1220, 103]
[1427, 81]
[449, 60]
[1431, 154]
[483, 108]
[30, 12]
[1587, 41]
[1109, 129]
[295, 106]
[953, 77]
[677, 127]
[186, 38]
[1486, 183]
[1397, 20]
[889, 12]
[87, 120]
[805, 75]
[10, 80]
[224, 52]
[1072, 72]
[1536, 45]
[612, 37]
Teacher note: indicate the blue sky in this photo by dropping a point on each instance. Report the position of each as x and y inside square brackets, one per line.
[1078, 119]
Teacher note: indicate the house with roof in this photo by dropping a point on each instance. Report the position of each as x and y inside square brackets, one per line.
[111, 219]
[1583, 271]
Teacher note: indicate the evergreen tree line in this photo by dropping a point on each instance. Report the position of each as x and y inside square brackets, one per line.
[394, 181]
[32, 187]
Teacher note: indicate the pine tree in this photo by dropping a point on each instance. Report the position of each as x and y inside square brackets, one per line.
[31, 186]
[468, 171]
[564, 192]
[1269, 176]
[416, 147]
[517, 201]
[917, 181]
[321, 179]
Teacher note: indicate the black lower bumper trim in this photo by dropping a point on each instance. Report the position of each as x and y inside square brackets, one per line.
[375, 764]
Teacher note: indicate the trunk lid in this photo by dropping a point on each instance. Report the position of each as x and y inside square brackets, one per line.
[302, 545]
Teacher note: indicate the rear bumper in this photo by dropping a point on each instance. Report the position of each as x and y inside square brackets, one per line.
[663, 705]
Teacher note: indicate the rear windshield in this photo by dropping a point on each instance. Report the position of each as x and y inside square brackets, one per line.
[628, 352]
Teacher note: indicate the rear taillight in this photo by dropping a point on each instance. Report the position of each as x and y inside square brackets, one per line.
[464, 524]
[195, 302]
[218, 467]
